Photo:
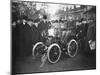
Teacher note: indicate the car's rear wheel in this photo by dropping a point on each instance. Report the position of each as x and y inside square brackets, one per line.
[37, 49]
[72, 48]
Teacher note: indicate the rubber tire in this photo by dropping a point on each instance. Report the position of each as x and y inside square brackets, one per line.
[33, 50]
[68, 48]
[48, 52]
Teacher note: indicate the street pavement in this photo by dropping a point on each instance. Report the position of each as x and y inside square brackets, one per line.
[30, 64]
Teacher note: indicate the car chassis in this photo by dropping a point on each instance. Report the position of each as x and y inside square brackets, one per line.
[55, 46]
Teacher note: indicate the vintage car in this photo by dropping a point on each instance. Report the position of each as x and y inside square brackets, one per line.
[60, 39]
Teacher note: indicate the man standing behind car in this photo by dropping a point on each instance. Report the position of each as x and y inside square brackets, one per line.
[91, 35]
[43, 27]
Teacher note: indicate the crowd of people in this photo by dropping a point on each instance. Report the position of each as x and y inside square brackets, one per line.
[27, 32]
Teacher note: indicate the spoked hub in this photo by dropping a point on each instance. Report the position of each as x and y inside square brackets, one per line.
[72, 48]
[38, 49]
[54, 53]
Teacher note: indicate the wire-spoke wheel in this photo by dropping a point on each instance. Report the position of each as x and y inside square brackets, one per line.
[37, 49]
[72, 48]
[54, 53]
